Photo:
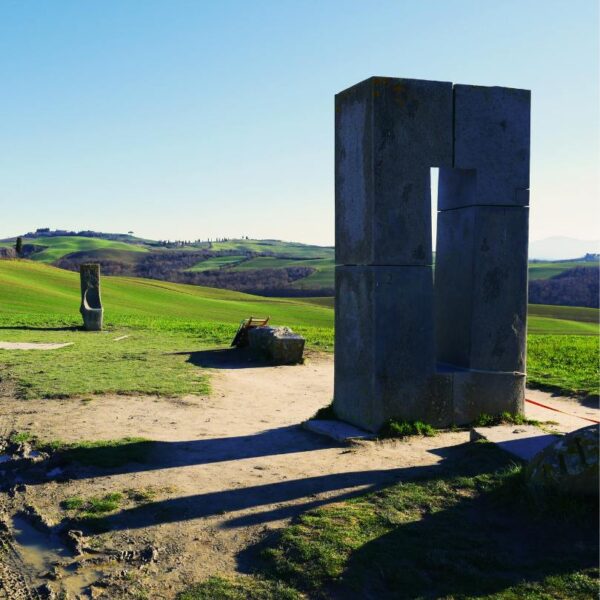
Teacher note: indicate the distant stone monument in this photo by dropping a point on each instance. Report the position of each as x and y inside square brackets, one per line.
[407, 347]
[91, 304]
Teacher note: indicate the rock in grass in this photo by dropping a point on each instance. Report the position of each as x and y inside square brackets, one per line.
[278, 344]
[570, 464]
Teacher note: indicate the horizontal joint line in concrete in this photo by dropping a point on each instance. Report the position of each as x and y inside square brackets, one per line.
[484, 206]
[428, 266]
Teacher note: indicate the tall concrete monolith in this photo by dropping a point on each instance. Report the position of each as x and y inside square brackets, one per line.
[403, 350]
[389, 133]
[91, 303]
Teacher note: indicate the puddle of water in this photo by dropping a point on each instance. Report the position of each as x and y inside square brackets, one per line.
[75, 582]
[5, 458]
[37, 549]
[40, 552]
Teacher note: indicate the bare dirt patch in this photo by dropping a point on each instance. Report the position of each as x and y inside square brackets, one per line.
[31, 346]
[223, 472]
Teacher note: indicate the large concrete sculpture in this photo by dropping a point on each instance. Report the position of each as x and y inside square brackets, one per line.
[91, 304]
[406, 348]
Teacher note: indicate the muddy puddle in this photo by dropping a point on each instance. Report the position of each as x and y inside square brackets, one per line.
[45, 557]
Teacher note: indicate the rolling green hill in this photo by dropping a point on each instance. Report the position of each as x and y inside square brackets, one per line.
[27, 287]
[217, 262]
[300, 251]
[58, 247]
[237, 262]
[545, 270]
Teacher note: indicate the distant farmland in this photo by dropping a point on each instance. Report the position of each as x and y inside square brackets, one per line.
[265, 267]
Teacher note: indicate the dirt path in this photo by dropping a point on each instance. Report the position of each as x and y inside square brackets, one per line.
[224, 471]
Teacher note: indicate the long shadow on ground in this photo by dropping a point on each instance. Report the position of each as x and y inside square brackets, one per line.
[139, 456]
[225, 358]
[336, 486]
[449, 536]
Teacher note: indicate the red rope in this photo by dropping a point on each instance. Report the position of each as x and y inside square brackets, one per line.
[560, 411]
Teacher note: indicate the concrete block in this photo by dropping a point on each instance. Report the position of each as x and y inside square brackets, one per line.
[91, 304]
[481, 287]
[389, 133]
[476, 393]
[384, 343]
[277, 344]
[492, 138]
[523, 441]
[337, 430]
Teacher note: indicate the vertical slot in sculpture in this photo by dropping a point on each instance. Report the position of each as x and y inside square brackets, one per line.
[91, 303]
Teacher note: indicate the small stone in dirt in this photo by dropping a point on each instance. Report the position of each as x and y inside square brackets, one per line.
[149, 554]
[75, 540]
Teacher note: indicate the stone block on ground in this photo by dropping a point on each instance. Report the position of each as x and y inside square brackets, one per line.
[389, 133]
[337, 430]
[277, 344]
[475, 393]
[522, 441]
[570, 464]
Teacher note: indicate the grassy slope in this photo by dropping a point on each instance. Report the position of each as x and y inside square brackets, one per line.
[275, 246]
[57, 247]
[27, 287]
[170, 317]
[217, 262]
[545, 270]
[167, 325]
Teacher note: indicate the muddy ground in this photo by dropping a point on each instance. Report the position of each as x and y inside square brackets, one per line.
[225, 472]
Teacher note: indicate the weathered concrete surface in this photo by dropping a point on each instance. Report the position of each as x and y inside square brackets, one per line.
[523, 441]
[91, 304]
[278, 344]
[384, 343]
[481, 287]
[475, 393]
[389, 133]
[492, 136]
[337, 430]
[570, 464]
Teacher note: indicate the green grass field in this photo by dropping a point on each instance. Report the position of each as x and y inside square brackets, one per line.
[168, 322]
[545, 270]
[217, 262]
[57, 247]
[276, 247]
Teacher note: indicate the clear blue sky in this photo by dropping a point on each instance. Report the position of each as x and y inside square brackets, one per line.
[194, 119]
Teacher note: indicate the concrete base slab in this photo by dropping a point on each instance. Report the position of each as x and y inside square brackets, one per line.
[523, 441]
[566, 414]
[337, 430]
[31, 346]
